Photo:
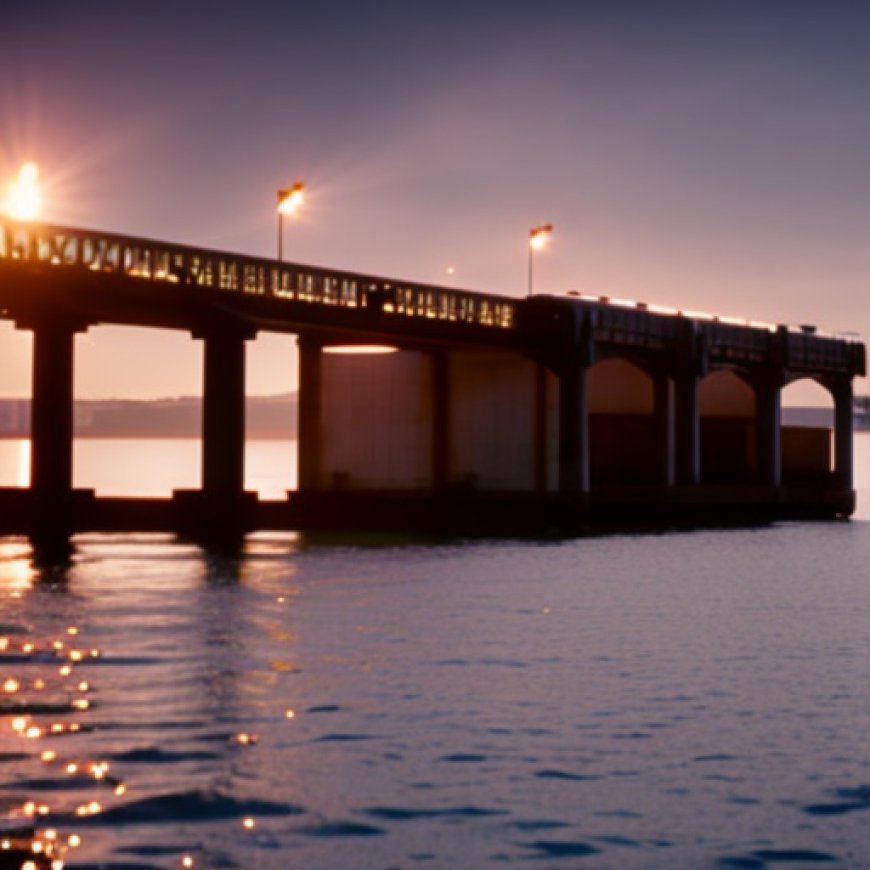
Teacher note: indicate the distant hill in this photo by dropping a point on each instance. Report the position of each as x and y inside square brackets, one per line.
[265, 417]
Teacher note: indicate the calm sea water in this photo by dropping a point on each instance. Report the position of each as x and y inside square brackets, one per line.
[678, 700]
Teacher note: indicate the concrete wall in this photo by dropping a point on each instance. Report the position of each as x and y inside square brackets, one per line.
[622, 438]
[728, 429]
[376, 421]
[806, 452]
[725, 394]
[616, 386]
[492, 420]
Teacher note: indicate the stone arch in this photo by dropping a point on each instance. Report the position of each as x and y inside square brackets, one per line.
[727, 408]
[807, 430]
[622, 434]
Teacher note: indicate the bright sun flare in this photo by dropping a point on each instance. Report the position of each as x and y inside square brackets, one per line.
[23, 199]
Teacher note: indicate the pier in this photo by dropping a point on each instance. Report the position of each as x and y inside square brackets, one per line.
[423, 408]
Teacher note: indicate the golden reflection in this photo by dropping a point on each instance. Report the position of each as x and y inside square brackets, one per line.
[16, 571]
[21, 837]
[22, 477]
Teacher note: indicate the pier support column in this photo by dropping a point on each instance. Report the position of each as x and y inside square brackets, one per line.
[223, 414]
[440, 419]
[663, 411]
[573, 429]
[768, 428]
[540, 433]
[687, 424]
[691, 365]
[51, 426]
[843, 426]
[310, 413]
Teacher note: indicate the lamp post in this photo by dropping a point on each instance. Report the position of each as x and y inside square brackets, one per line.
[289, 201]
[538, 238]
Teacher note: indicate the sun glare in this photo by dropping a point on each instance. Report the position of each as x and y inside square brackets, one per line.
[24, 199]
[360, 348]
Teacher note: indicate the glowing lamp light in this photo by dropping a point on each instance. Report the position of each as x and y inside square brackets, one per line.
[24, 198]
[360, 349]
[291, 198]
[539, 236]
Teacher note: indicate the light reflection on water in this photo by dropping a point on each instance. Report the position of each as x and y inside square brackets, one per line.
[672, 700]
[154, 466]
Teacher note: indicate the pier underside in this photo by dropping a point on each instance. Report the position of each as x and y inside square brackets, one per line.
[450, 513]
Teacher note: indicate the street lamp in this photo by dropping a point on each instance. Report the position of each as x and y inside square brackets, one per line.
[538, 238]
[289, 201]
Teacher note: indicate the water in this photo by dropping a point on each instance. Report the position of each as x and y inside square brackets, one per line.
[154, 467]
[676, 700]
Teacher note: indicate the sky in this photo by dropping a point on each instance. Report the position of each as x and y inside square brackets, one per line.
[708, 156]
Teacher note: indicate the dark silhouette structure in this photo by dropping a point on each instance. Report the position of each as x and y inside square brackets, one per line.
[490, 413]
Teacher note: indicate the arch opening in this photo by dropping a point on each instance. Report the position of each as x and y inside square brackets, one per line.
[807, 431]
[623, 442]
[137, 425]
[271, 415]
[16, 373]
[729, 428]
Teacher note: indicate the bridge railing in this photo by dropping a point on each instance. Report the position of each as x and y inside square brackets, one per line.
[71, 249]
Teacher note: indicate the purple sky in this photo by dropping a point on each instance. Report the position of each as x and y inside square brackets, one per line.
[709, 156]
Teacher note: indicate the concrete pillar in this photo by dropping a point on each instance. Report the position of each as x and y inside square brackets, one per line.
[51, 427]
[540, 433]
[663, 412]
[843, 425]
[768, 429]
[223, 413]
[573, 428]
[440, 419]
[687, 426]
[310, 412]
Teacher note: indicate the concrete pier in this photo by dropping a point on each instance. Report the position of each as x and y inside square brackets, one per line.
[480, 412]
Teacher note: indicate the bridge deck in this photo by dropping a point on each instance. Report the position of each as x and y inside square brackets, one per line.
[96, 277]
